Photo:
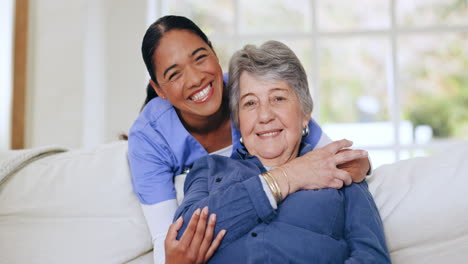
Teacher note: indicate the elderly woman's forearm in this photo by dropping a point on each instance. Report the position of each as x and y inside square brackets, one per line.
[318, 168]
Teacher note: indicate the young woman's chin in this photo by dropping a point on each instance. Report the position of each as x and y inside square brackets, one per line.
[212, 104]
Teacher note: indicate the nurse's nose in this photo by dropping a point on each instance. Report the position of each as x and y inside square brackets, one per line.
[193, 77]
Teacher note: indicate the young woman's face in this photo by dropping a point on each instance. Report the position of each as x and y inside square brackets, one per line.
[270, 119]
[189, 74]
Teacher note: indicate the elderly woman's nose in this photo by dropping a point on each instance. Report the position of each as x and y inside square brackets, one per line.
[265, 113]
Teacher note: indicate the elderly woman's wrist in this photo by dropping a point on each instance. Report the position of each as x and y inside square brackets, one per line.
[274, 186]
[285, 190]
[282, 175]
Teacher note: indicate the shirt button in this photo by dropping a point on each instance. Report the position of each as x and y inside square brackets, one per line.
[254, 234]
[218, 179]
[259, 220]
[186, 171]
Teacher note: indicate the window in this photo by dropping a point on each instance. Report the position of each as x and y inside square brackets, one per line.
[392, 77]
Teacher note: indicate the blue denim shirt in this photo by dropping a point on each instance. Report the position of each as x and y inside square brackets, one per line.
[309, 226]
[159, 148]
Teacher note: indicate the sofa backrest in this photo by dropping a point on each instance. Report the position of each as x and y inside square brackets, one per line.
[73, 207]
[424, 207]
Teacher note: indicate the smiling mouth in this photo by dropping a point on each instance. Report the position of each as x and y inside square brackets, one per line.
[202, 95]
[271, 133]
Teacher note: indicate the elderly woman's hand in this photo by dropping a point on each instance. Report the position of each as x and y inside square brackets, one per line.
[319, 168]
[195, 245]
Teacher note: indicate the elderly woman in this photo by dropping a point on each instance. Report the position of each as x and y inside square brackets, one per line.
[276, 217]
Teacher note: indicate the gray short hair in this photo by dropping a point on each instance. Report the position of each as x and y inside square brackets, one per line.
[273, 60]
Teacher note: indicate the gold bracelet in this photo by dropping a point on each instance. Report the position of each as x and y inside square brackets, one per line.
[270, 185]
[285, 176]
[273, 184]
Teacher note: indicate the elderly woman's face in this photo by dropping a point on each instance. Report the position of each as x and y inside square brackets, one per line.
[270, 119]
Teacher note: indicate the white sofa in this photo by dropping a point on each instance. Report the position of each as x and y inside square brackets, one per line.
[78, 207]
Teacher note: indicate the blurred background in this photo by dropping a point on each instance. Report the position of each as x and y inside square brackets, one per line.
[391, 75]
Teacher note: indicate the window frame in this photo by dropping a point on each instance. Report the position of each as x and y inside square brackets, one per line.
[316, 36]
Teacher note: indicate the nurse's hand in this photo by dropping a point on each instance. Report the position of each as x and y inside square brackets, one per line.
[357, 169]
[195, 245]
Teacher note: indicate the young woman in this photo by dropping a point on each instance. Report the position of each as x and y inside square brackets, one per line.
[186, 116]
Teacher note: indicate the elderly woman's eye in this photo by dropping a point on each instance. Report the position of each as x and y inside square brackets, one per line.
[249, 103]
[280, 98]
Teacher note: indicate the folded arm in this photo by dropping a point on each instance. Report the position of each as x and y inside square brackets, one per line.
[152, 179]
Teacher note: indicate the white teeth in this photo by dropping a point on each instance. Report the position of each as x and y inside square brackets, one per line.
[202, 94]
[269, 134]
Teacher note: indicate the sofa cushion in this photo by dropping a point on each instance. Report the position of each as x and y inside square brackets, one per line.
[424, 208]
[73, 207]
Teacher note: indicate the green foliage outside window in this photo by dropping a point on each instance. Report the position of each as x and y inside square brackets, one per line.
[446, 114]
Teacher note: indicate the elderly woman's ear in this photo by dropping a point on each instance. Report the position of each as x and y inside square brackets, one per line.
[305, 125]
[305, 122]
